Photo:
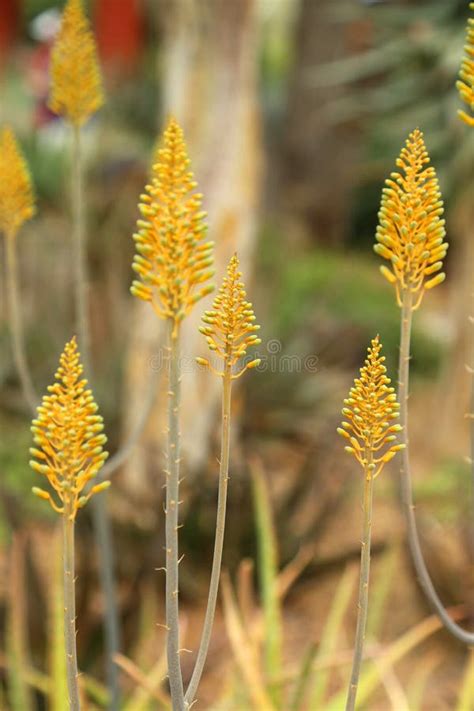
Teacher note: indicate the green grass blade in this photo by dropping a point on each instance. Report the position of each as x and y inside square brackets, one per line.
[148, 693]
[466, 695]
[420, 679]
[381, 587]
[268, 579]
[245, 652]
[16, 641]
[303, 678]
[371, 677]
[331, 632]
[58, 693]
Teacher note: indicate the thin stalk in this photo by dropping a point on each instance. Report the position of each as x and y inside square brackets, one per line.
[218, 541]
[70, 611]
[406, 486]
[79, 249]
[172, 522]
[470, 524]
[101, 521]
[363, 600]
[16, 323]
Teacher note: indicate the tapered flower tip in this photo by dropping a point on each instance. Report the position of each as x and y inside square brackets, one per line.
[173, 262]
[17, 203]
[369, 413]
[76, 84]
[68, 437]
[411, 231]
[230, 328]
[465, 84]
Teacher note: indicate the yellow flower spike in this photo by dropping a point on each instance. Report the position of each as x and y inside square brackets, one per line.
[411, 232]
[370, 412]
[465, 84]
[16, 193]
[229, 328]
[173, 262]
[68, 437]
[76, 84]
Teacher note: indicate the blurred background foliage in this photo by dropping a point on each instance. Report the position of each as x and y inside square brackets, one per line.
[335, 89]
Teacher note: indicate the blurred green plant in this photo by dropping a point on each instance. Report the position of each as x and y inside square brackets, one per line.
[326, 286]
[315, 680]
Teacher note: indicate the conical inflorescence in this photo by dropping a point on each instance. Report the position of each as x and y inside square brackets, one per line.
[465, 83]
[76, 85]
[173, 260]
[17, 204]
[229, 327]
[370, 413]
[411, 231]
[68, 437]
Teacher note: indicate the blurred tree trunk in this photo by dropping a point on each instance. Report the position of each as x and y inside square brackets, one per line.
[319, 152]
[209, 79]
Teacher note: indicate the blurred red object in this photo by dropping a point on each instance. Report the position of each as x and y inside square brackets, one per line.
[9, 25]
[119, 28]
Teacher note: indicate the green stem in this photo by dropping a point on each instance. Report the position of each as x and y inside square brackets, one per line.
[172, 522]
[16, 323]
[70, 611]
[363, 600]
[406, 486]
[218, 541]
[101, 521]
[470, 524]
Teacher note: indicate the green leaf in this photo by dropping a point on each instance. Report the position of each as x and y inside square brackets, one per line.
[268, 579]
[331, 632]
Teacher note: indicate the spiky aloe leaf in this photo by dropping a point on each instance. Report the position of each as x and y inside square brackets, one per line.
[331, 633]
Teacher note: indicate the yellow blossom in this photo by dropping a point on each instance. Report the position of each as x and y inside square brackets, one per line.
[16, 192]
[173, 261]
[370, 412]
[230, 327]
[68, 438]
[410, 234]
[465, 84]
[76, 85]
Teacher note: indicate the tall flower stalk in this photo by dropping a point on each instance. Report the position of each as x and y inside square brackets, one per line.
[465, 86]
[16, 207]
[369, 428]
[173, 264]
[69, 453]
[229, 329]
[410, 236]
[76, 95]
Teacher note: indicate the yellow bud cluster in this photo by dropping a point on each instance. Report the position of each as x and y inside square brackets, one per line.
[370, 412]
[16, 192]
[230, 328]
[68, 438]
[465, 83]
[411, 232]
[173, 261]
[76, 84]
